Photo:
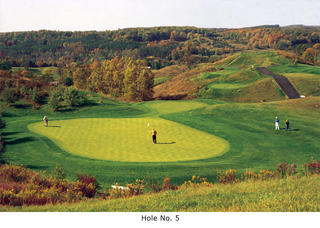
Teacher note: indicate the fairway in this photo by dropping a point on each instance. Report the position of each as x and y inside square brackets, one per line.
[129, 139]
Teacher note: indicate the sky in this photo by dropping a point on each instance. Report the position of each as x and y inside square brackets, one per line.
[100, 15]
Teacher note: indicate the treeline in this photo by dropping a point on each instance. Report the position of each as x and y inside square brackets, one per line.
[53, 48]
[303, 41]
[159, 46]
[119, 77]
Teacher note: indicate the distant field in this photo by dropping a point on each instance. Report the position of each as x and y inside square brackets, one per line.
[129, 139]
[40, 71]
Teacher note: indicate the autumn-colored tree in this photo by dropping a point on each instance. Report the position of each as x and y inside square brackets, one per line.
[80, 76]
[316, 49]
[309, 56]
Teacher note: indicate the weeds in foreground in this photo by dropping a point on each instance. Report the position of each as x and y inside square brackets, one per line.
[21, 186]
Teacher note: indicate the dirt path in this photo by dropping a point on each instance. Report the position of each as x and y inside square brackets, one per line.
[283, 82]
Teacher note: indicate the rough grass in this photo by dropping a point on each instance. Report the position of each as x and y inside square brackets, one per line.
[306, 84]
[129, 139]
[259, 91]
[263, 58]
[280, 195]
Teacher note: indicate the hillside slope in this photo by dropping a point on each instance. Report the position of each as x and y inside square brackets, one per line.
[238, 78]
[280, 195]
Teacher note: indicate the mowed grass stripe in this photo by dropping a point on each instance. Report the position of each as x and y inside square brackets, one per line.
[129, 139]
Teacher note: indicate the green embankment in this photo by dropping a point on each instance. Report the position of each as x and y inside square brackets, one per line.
[236, 78]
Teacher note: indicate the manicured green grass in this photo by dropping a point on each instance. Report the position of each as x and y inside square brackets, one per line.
[129, 139]
[263, 58]
[298, 68]
[284, 195]
[248, 128]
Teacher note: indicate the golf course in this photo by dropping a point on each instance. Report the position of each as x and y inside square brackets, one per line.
[112, 140]
[215, 127]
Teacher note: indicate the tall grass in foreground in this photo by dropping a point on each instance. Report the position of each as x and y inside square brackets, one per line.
[281, 190]
[276, 195]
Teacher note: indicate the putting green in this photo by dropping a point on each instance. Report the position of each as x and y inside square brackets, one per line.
[130, 140]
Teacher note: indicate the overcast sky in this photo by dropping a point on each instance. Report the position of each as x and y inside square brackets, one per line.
[71, 15]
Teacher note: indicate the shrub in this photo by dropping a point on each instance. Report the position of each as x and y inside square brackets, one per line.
[136, 188]
[133, 189]
[15, 173]
[8, 95]
[20, 186]
[68, 81]
[165, 185]
[292, 169]
[59, 173]
[42, 181]
[74, 97]
[156, 186]
[24, 91]
[86, 185]
[282, 169]
[35, 96]
[54, 100]
[227, 177]
[265, 174]
[196, 181]
[312, 168]
[117, 192]
[249, 175]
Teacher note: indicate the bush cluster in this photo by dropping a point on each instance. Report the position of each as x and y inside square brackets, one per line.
[66, 96]
[21, 186]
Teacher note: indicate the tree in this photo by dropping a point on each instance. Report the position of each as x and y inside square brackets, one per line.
[130, 78]
[74, 97]
[80, 76]
[187, 53]
[35, 96]
[59, 172]
[8, 96]
[68, 81]
[308, 56]
[5, 65]
[316, 49]
[54, 100]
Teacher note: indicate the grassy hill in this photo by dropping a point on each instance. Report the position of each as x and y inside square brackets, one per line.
[236, 79]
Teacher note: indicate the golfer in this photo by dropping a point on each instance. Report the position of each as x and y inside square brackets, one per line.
[154, 136]
[287, 125]
[277, 123]
[45, 120]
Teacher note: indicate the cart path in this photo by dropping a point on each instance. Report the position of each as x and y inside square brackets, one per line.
[283, 82]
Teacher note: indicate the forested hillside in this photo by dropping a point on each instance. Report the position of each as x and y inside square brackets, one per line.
[160, 46]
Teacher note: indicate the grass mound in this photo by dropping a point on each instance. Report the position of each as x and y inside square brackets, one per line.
[129, 139]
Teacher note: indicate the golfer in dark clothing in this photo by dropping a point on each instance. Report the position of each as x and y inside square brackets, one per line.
[287, 124]
[154, 136]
